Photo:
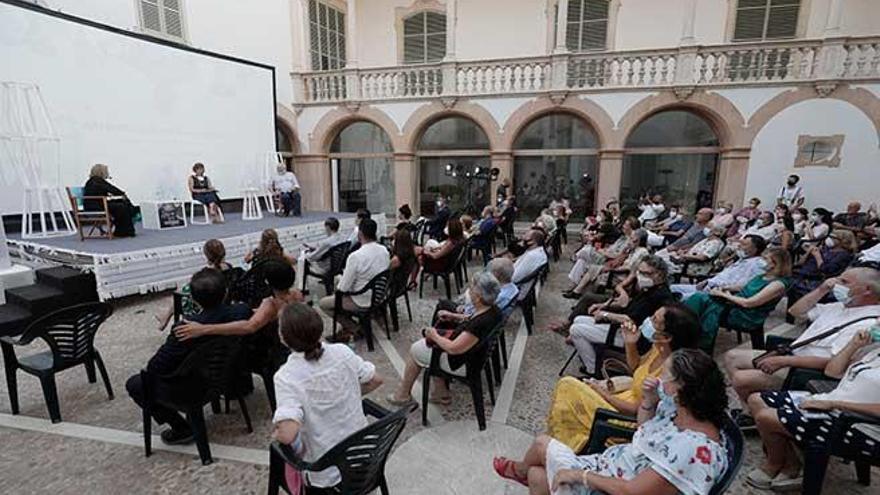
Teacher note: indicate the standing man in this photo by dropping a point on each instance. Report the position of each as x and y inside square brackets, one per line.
[501, 190]
[791, 194]
[436, 225]
[286, 187]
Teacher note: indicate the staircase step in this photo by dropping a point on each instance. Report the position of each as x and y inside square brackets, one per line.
[77, 285]
[39, 299]
[13, 319]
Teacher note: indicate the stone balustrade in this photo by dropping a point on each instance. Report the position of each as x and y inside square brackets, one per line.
[695, 66]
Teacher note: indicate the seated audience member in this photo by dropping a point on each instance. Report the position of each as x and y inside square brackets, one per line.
[780, 211]
[750, 304]
[280, 277]
[203, 191]
[319, 391]
[208, 290]
[613, 209]
[700, 256]
[785, 236]
[448, 314]
[368, 261]
[575, 401]
[532, 258]
[723, 217]
[404, 261]
[678, 447]
[483, 237]
[268, 249]
[314, 253]
[823, 262]
[635, 299]
[800, 216]
[404, 218]
[652, 208]
[764, 226]
[120, 208]
[215, 256]
[744, 216]
[694, 234]
[747, 265]
[467, 226]
[545, 221]
[455, 344]
[360, 215]
[818, 227]
[436, 224]
[669, 229]
[592, 257]
[857, 292]
[783, 424]
[853, 220]
[872, 254]
[285, 185]
[791, 194]
[621, 269]
[434, 256]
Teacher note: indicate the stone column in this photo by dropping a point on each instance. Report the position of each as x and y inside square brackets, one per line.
[561, 26]
[732, 173]
[610, 175]
[688, 23]
[313, 173]
[406, 181]
[832, 24]
[451, 27]
[503, 160]
[351, 58]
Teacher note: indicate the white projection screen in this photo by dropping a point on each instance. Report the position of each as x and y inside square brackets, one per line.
[146, 109]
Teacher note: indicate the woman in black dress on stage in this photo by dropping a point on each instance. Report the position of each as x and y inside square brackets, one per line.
[203, 191]
[121, 209]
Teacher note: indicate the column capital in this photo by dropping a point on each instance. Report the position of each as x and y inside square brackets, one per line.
[501, 153]
[611, 154]
[736, 153]
[404, 155]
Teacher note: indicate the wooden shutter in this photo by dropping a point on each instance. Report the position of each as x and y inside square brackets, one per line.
[414, 39]
[171, 17]
[587, 27]
[151, 17]
[782, 19]
[573, 29]
[435, 36]
[766, 19]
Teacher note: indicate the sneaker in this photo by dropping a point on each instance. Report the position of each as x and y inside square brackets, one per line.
[745, 422]
[759, 479]
[176, 437]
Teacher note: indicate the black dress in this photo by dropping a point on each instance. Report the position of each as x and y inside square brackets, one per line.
[121, 210]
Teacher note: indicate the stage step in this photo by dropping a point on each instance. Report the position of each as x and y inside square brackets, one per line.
[39, 299]
[13, 319]
[78, 286]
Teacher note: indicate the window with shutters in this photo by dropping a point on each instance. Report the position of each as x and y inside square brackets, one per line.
[758, 20]
[587, 25]
[162, 17]
[424, 38]
[326, 36]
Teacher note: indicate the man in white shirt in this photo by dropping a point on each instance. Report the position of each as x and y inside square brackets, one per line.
[749, 265]
[361, 214]
[368, 261]
[791, 194]
[857, 291]
[286, 187]
[870, 254]
[315, 253]
[533, 258]
[651, 209]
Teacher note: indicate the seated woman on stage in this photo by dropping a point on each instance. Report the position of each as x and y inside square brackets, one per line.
[678, 447]
[269, 248]
[574, 403]
[121, 209]
[203, 191]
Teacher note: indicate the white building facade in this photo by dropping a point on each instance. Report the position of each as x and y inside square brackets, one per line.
[700, 100]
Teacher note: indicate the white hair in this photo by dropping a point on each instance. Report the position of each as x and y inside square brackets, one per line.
[502, 269]
[487, 286]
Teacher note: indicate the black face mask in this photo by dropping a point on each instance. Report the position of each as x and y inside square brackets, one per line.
[792, 182]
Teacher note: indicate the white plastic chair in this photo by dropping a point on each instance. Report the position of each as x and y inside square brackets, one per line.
[206, 217]
[251, 209]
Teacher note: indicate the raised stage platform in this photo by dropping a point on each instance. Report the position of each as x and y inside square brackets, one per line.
[158, 260]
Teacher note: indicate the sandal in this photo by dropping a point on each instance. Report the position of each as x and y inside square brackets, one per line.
[394, 401]
[506, 468]
[441, 401]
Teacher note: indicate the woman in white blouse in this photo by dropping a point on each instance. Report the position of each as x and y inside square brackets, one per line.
[319, 390]
[784, 418]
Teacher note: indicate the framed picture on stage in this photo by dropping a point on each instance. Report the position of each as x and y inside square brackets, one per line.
[163, 215]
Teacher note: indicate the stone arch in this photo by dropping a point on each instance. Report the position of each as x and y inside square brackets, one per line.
[432, 112]
[594, 115]
[861, 98]
[335, 120]
[286, 121]
[722, 115]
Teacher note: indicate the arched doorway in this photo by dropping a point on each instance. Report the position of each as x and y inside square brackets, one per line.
[674, 153]
[361, 159]
[284, 143]
[448, 152]
[555, 155]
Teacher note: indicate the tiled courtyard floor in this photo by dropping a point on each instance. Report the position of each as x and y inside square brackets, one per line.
[450, 456]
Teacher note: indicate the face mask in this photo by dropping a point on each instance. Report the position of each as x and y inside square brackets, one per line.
[829, 242]
[647, 328]
[439, 204]
[753, 205]
[662, 393]
[644, 282]
[721, 211]
[797, 217]
[742, 220]
[673, 213]
[792, 182]
[741, 253]
[707, 231]
[842, 293]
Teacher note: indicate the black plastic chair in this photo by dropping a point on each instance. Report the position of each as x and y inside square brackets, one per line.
[399, 288]
[360, 458]
[609, 425]
[450, 269]
[379, 288]
[817, 453]
[251, 287]
[478, 362]
[70, 335]
[484, 244]
[208, 373]
[686, 267]
[337, 256]
[755, 332]
[264, 354]
[527, 298]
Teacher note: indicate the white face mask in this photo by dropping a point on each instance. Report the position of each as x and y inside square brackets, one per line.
[721, 211]
[741, 253]
[842, 293]
[707, 231]
[644, 282]
[673, 213]
[829, 242]
[797, 217]
[439, 204]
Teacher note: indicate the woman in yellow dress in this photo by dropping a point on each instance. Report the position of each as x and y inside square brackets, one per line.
[672, 327]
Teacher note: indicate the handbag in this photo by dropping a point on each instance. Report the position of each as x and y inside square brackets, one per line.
[786, 349]
[617, 375]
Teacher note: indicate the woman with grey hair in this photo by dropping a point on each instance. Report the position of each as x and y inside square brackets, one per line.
[454, 343]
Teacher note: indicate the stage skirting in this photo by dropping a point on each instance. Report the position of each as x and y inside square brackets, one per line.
[157, 268]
